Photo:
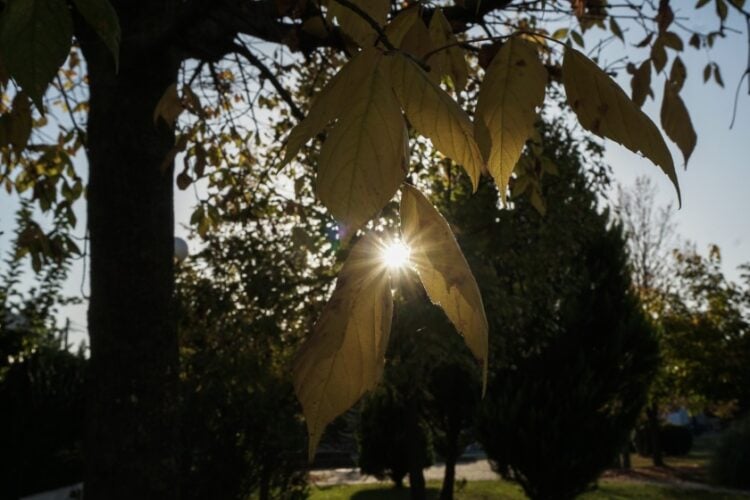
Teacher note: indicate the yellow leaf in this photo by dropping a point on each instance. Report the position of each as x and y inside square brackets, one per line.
[436, 115]
[416, 41]
[444, 272]
[330, 102]
[512, 89]
[450, 60]
[344, 356]
[675, 120]
[604, 109]
[356, 26]
[169, 106]
[362, 162]
[397, 29]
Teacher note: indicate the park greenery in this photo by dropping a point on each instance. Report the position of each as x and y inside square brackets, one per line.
[317, 133]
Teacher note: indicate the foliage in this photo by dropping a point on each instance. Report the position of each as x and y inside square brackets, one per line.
[577, 371]
[384, 437]
[676, 440]
[731, 461]
[41, 383]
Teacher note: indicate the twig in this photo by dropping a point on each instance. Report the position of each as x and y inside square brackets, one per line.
[266, 72]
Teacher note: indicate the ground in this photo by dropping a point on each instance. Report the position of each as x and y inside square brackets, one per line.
[682, 477]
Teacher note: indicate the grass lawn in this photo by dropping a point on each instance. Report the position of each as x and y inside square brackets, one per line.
[486, 490]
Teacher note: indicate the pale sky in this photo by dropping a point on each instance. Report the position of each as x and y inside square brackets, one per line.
[716, 205]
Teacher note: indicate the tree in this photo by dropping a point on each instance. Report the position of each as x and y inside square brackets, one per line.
[134, 53]
[578, 366]
[41, 381]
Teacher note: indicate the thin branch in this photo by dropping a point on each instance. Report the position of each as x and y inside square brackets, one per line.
[267, 73]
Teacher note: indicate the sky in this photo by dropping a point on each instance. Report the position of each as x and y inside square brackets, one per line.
[716, 202]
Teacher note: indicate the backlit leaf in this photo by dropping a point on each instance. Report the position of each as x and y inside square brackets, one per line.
[35, 37]
[343, 358]
[604, 109]
[330, 102]
[355, 25]
[450, 60]
[363, 160]
[102, 17]
[436, 115]
[443, 270]
[675, 120]
[16, 126]
[169, 106]
[512, 89]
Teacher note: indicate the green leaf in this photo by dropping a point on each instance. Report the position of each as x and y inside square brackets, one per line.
[436, 115]
[721, 9]
[329, 103]
[365, 157]
[675, 120]
[102, 17]
[35, 37]
[344, 356]
[444, 272]
[512, 89]
[604, 109]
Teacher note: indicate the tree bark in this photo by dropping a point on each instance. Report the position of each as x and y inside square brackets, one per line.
[652, 412]
[417, 485]
[132, 432]
[449, 479]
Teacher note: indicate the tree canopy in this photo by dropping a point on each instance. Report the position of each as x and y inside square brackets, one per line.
[468, 76]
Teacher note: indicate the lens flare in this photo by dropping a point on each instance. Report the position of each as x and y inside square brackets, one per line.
[396, 254]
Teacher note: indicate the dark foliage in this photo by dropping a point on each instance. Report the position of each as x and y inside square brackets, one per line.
[730, 465]
[579, 354]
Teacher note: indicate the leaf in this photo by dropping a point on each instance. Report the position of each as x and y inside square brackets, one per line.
[577, 38]
[102, 17]
[363, 160]
[615, 29]
[717, 75]
[397, 29]
[451, 59]
[16, 126]
[672, 40]
[436, 115]
[678, 74]
[640, 84]
[356, 26]
[721, 9]
[444, 272]
[604, 109]
[675, 120]
[701, 3]
[659, 55]
[706, 72]
[169, 106]
[344, 356]
[512, 89]
[329, 103]
[35, 37]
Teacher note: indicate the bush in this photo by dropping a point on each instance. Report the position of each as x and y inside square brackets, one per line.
[676, 440]
[730, 465]
[384, 437]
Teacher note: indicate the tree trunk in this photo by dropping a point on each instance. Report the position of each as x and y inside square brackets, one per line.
[417, 487]
[132, 433]
[652, 412]
[449, 479]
